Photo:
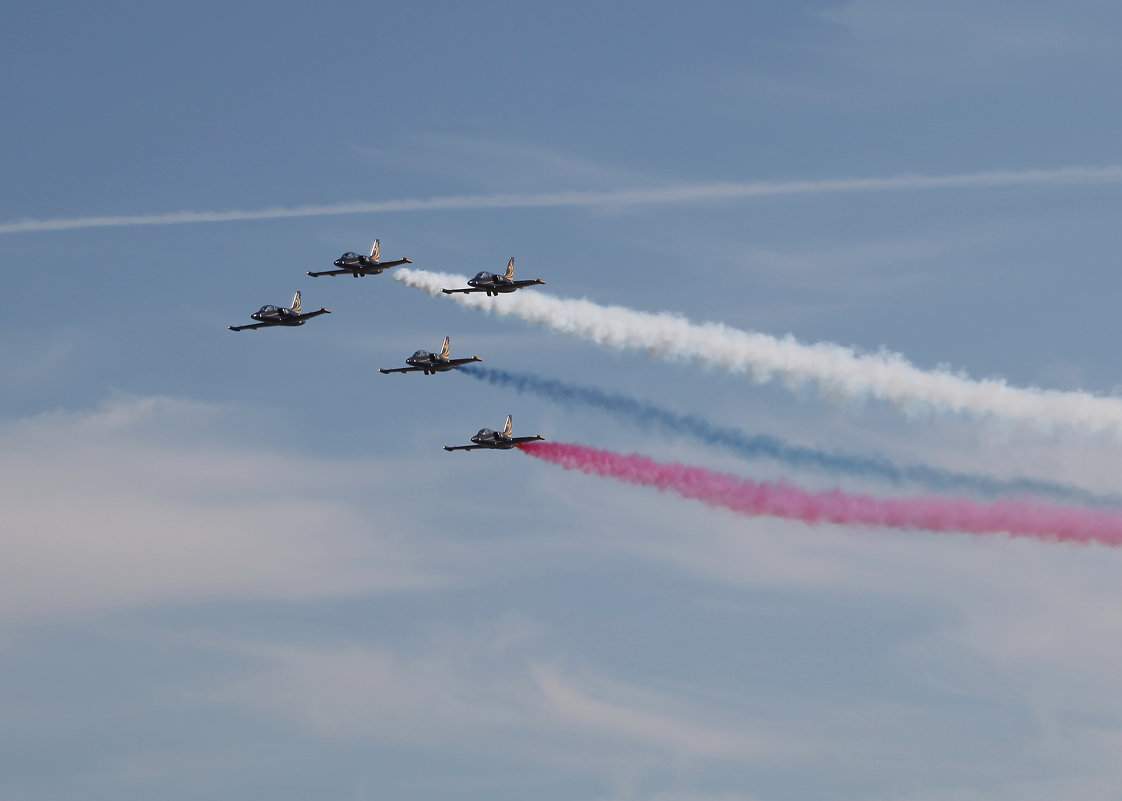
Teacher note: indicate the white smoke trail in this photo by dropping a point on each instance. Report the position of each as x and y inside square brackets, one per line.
[835, 371]
[682, 193]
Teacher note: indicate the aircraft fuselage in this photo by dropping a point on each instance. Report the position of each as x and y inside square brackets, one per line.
[430, 363]
[277, 316]
[494, 284]
[493, 439]
[360, 266]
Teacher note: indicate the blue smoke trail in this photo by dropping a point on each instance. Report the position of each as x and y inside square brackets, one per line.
[756, 446]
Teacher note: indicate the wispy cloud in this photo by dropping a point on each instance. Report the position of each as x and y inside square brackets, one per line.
[503, 691]
[663, 723]
[140, 503]
[676, 194]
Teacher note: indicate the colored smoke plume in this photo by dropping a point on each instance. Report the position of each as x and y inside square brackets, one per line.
[834, 370]
[650, 417]
[1017, 518]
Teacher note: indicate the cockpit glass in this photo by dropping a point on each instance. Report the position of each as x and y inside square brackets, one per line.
[350, 256]
[484, 433]
[483, 276]
[421, 354]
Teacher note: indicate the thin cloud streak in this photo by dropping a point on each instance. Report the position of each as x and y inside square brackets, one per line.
[682, 193]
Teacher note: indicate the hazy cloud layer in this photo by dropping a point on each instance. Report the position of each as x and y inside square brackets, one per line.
[136, 503]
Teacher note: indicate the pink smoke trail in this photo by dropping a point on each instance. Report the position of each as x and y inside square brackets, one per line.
[1019, 518]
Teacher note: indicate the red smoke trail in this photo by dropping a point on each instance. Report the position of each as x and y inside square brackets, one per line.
[1018, 518]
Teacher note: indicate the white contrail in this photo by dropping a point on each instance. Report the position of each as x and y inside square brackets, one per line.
[835, 371]
[682, 193]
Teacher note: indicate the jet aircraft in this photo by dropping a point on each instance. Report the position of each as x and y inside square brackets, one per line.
[278, 315]
[501, 440]
[358, 265]
[493, 284]
[431, 363]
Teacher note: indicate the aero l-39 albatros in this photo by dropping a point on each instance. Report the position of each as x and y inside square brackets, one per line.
[430, 363]
[358, 265]
[268, 316]
[501, 440]
[494, 284]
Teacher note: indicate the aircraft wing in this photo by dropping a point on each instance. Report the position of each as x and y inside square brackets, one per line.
[461, 447]
[330, 272]
[316, 313]
[528, 282]
[466, 291]
[461, 362]
[251, 327]
[521, 440]
[383, 265]
[401, 370]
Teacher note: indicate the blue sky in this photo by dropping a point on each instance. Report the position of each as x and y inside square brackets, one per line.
[241, 565]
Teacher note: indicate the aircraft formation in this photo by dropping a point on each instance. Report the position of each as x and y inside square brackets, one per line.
[359, 266]
[1018, 517]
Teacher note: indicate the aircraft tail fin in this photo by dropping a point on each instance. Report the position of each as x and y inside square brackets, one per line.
[296, 302]
[447, 347]
[376, 251]
[510, 268]
[509, 425]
